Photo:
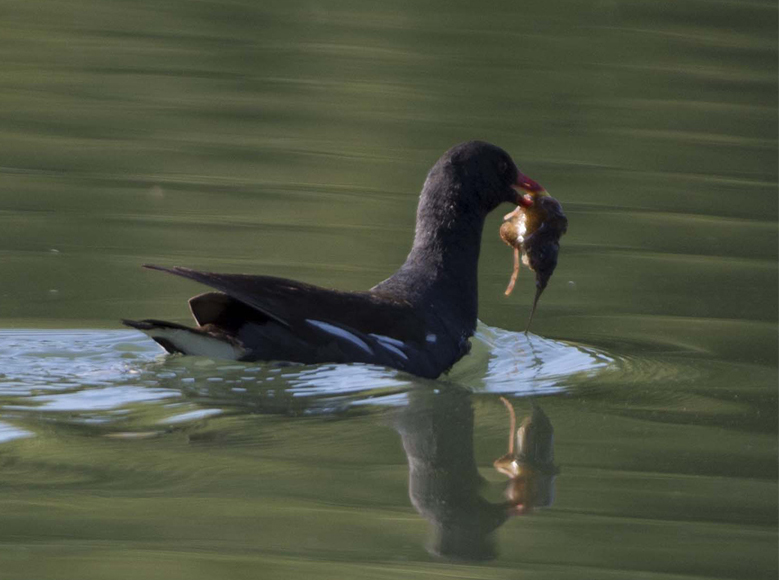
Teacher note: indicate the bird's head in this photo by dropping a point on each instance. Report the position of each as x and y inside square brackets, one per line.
[485, 173]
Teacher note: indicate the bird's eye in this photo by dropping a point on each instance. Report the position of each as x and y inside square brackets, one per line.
[503, 166]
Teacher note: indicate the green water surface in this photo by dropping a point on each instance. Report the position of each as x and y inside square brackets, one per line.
[292, 139]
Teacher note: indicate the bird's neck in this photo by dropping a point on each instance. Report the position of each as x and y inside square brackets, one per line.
[442, 267]
[448, 254]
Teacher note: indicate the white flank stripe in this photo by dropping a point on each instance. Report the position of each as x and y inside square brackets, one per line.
[391, 344]
[431, 337]
[394, 349]
[388, 340]
[341, 333]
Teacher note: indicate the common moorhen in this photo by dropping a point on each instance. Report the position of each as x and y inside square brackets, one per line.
[418, 320]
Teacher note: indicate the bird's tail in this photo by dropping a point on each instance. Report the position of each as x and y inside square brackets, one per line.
[177, 338]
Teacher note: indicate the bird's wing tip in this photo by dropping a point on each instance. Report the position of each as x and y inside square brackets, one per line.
[179, 270]
[156, 267]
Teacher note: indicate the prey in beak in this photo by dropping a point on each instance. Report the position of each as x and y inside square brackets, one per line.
[533, 230]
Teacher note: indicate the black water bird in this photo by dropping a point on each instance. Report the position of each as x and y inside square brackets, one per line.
[418, 320]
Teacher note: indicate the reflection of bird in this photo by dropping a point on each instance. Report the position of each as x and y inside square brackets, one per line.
[418, 320]
[444, 484]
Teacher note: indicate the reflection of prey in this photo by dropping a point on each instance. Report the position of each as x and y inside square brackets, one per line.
[530, 467]
[444, 483]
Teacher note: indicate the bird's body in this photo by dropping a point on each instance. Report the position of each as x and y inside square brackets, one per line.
[418, 320]
[267, 318]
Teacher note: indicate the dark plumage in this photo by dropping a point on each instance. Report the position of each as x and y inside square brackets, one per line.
[418, 320]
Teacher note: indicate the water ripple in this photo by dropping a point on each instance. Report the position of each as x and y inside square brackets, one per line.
[120, 379]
